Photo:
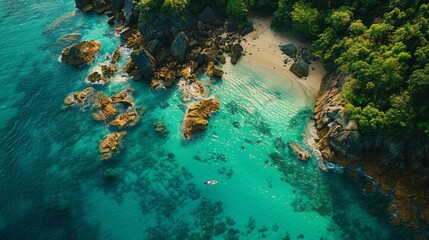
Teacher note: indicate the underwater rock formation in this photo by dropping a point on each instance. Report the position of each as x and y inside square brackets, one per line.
[196, 118]
[109, 145]
[81, 52]
[298, 151]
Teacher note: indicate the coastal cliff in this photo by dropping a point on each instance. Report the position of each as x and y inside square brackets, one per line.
[393, 164]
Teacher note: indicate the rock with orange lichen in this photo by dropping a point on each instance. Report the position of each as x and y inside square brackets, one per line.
[196, 118]
[129, 119]
[97, 77]
[78, 97]
[81, 52]
[116, 56]
[109, 145]
[123, 98]
[106, 109]
[299, 151]
[213, 70]
[108, 71]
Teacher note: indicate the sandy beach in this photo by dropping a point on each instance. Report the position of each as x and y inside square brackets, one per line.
[262, 48]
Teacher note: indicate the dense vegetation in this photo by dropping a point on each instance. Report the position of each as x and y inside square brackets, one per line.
[382, 45]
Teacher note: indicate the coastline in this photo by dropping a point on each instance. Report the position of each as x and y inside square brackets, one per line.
[262, 48]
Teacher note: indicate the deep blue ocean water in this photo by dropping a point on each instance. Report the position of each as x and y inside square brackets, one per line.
[53, 183]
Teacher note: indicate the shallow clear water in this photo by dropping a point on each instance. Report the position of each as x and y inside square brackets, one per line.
[52, 180]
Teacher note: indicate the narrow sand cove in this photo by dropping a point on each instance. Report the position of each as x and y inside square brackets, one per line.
[262, 48]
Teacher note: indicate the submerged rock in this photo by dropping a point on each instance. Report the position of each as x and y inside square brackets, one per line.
[288, 49]
[300, 68]
[236, 52]
[144, 62]
[179, 46]
[81, 52]
[109, 145]
[196, 118]
[299, 151]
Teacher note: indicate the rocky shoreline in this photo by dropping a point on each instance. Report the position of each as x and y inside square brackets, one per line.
[165, 47]
[392, 164]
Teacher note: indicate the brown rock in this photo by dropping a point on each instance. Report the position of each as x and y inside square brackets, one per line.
[129, 119]
[87, 8]
[213, 70]
[107, 109]
[196, 118]
[97, 77]
[108, 71]
[116, 56]
[109, 145]
[81, 52]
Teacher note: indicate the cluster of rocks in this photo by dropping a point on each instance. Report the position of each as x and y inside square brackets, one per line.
[300, 58]
[395, 165]
[108, 108]
[166, 46]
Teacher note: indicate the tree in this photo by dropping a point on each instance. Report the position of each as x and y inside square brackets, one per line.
[304, 19]
[237, 10]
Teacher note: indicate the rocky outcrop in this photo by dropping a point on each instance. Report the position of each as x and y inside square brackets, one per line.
[196, 117]
[164, 26]
[289, 49]
[96, 77]
[81, 3]
[300, 68]
[109, 145]
[129, 119]
[207, 16]
[144, 62]
[153, 47]
[236, 52]
[81, 52]
[396, 165]
[108, 71]
[179, 46]
[78, 97]
[106, 108]
[214, 71]
[116, 56]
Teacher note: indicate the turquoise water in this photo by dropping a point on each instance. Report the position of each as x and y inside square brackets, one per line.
[54, 186]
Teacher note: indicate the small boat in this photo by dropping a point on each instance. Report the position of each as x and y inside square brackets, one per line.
[211, 182]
